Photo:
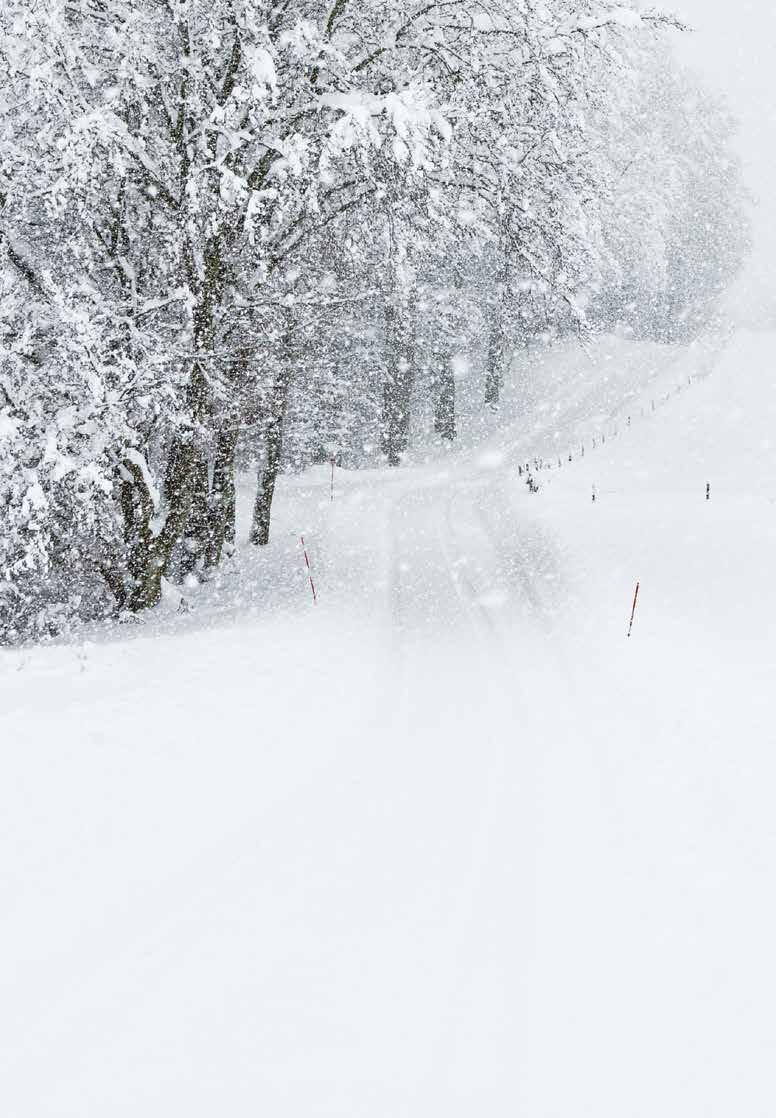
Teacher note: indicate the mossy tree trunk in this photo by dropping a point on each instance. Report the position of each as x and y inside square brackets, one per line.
[197, 520]
[155, 552]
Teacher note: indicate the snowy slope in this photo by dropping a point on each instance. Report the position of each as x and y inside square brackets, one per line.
[446, 842]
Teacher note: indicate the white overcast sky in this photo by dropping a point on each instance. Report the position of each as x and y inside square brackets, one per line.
[734, 44]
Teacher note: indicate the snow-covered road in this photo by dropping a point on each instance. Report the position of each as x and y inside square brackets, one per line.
[447, 842]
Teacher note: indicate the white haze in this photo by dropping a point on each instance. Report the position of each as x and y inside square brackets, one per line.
[732, 44]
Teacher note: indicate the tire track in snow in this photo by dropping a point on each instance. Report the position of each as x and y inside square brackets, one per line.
[486, 885]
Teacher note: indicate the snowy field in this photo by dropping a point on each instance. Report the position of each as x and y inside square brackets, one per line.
[447, 842]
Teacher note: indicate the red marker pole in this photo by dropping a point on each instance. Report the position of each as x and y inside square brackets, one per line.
[633, 611]
[309, 572]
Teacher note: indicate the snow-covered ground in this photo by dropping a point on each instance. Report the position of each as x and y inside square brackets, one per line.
[447, 842]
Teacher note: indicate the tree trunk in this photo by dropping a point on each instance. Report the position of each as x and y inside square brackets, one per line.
[153, 561]
[444, 409]
[493, 368]
[137, 510]
[196, 536]
[397, 389]
[197, 532]
[493, 364]
[186, 484]
[262, 509]
[395, 424]
[222, 498]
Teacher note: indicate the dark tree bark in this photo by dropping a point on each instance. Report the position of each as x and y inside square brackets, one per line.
[154, 557]
[262, 509]
[137, 509]
[494, 360]
[399, 382]
[196, 534]
[493, 364]
[192, 519]
[222, 497]
[444, 408]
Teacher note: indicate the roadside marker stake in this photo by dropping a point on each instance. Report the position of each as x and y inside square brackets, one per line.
[309, 572]
[708, 491]
[332, 477]
[633, 611]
